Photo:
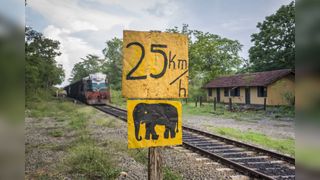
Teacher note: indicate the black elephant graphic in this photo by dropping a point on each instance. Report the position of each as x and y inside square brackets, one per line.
[155, 114]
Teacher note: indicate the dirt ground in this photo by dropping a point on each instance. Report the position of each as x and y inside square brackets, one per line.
[45, 152]
[274, 128]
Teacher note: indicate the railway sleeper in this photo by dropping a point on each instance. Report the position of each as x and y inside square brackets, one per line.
[250, 157]
[229, 149]
[276, 171]
[213, 147]
[235, 153]
[284, 177]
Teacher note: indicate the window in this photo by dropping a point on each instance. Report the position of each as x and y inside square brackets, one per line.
[235, 92]
[226, 92]
[210, 92]
[262, 91]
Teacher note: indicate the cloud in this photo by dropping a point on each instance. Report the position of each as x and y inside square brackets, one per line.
[72, 48]
[75, 17]
[241, 24]
[139, 6]
[83, 26]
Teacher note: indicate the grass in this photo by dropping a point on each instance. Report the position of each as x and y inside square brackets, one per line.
[168, 174]
[85, 158]
[56, 133]
[106, 122]
[249, 115]
[91, 161]
[286, 146]
[117, 99]
[76, 115]
[139, 155]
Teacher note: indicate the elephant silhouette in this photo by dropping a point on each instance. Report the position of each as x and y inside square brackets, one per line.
[155, 114]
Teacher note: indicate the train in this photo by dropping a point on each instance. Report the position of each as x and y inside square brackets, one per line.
[93, 89]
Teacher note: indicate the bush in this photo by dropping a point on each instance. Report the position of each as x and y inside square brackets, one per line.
[168, 174]
[289, 97]
[116, 98]
[91, 162]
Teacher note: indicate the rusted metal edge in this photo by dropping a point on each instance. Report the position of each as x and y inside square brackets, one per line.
[123, 110]
[283, 157]
[110, 112]
[232, 164]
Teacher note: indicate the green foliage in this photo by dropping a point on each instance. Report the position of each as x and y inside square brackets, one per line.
[89, 65]
[86, 159]
[113, 65]
[76, 116]
[41, 69]
[117, 99]
[210, 56]
[283, 145]
[91, 161]
[274, 45]
[206, 109]
[140, 155]
[289, 97]
[190, 109]
[107, 122]
[168, 174]
[56, 133]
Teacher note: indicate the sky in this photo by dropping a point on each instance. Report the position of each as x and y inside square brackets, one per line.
[83, 26]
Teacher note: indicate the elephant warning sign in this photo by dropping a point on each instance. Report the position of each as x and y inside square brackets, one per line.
[155, 65]
[154, 123]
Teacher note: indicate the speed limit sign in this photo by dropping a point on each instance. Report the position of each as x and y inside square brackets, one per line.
[155, 65]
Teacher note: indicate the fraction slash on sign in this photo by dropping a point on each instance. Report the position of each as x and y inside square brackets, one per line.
[179, 77]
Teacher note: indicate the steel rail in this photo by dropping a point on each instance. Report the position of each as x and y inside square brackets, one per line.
[121, 113]
[245, 170]
[276, 155]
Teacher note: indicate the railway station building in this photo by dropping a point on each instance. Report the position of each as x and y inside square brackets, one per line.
[252, 88]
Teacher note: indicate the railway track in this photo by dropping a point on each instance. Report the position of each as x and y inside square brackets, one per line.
[250, 160]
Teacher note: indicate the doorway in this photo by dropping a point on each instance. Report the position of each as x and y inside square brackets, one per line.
[247, 95]
[218, 95]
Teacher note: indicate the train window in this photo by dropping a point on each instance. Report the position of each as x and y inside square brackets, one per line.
[98, 86]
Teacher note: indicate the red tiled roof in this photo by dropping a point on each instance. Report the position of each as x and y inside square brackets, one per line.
[253, 79]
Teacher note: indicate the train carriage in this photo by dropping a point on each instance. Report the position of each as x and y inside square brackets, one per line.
[93, 89]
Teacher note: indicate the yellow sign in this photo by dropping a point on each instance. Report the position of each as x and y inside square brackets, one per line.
[155, 65]
[154, 123]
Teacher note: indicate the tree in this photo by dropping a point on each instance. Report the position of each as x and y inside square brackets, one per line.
[209, 56]
[89, 65]
[42, 70]
[113, 64]
[274, 45]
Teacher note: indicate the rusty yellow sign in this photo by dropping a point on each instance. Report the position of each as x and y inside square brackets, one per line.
[154, 123]
[155, 65]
